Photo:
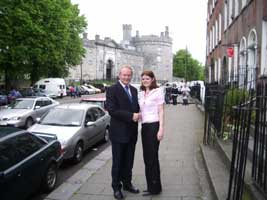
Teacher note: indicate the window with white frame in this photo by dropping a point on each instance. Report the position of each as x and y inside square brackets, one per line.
[225, 16]
[215, 71]
[207, 45]
[219, 70]
[244, 3]
[252, 57]
[242, 62]
[211, 40]
[213, 37]
[220, 28]
[230, 12]
[216, 32]
[236, 7]
[210, 9]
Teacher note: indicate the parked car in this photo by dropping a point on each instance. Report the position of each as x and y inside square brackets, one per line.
[24, 111]
[87, 90]
[27, 162]
[3, 98]
[96, 90]
[101, 86]
[76, 126]
[100, 101]
[44, 93]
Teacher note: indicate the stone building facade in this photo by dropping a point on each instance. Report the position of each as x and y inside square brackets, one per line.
[240, 25]
[104, 57]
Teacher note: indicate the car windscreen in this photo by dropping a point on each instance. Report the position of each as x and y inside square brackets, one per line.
[63, 117]
[22, 104]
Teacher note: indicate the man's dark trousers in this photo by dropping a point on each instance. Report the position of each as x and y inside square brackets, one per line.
[123, 160]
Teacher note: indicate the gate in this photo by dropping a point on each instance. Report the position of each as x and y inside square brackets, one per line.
[241, 131]
[259, 163]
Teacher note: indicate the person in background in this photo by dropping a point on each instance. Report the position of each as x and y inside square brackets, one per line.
[185, 93]
[151, 103]
[122, 105]
[174, 93]
[168, 91]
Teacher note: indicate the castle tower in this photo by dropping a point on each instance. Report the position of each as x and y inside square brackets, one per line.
[157, 51]
[127, 32]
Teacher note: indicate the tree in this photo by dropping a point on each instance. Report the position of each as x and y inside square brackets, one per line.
[184, 66]
[39, 38]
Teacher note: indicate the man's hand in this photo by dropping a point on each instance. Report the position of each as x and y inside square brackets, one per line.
[135, 117]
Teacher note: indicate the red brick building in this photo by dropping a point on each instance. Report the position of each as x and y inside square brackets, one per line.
[240, 26]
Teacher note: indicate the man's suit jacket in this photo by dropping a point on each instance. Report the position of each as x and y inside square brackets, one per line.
[121, 109]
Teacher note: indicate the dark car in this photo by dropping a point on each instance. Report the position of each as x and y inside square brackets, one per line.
[27, 163]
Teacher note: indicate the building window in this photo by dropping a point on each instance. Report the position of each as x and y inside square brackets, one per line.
[219, 69]
[252, 57]
[213, 37]
[242, 62]
[244, 3]
[208, 45]
[216, 32]
[230, 12]
[220, 27]
[210, 40]
[236, 7]
[216, 71]
[225, 16]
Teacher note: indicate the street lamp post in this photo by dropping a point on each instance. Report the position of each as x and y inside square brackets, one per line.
[81, 68]
[185, 64]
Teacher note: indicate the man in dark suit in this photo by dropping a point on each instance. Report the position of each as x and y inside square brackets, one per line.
[122, 105]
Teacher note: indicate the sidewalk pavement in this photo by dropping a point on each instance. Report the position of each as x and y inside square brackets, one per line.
[182, 170]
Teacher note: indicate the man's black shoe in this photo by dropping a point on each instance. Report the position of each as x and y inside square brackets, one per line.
[118, 194]
[131, 188]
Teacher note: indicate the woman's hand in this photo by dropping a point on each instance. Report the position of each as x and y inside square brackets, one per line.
[160, 135]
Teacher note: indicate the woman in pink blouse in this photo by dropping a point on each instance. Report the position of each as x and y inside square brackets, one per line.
[151, 102]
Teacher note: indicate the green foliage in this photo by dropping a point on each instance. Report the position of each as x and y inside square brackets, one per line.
[184, 66]
[235, 97]
[40, 38]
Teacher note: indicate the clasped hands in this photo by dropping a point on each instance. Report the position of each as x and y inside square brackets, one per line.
[136, 117]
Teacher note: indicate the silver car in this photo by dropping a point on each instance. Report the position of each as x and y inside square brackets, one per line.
[76, 126]
[23, 112]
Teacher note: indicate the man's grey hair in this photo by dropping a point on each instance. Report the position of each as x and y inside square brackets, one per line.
[127, 67]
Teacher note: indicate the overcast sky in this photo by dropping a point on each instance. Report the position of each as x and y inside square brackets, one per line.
[186, 20]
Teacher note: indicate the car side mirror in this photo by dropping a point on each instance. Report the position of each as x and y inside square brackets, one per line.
[38, 119]
[37, 107]
[90, 124]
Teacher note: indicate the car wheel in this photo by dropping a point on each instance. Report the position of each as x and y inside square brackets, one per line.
[50, 178]
[29, 122]
[78, 153]
[106, 135]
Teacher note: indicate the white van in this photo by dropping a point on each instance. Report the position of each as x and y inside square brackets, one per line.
[56, 86]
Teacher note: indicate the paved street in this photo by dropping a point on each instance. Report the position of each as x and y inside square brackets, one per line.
[183, 174]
